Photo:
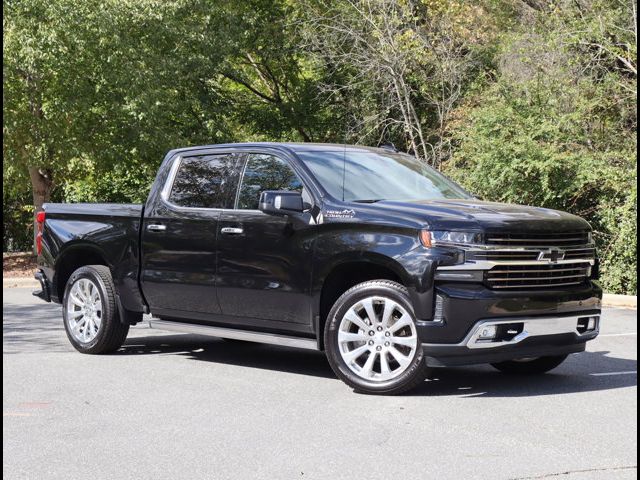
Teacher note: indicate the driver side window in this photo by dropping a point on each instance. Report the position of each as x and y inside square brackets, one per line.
[265, 172]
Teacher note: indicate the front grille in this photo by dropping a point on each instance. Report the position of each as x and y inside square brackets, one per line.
[502, 255]
[527, 255]
[537, 276]
[542, 240]
[581, 253]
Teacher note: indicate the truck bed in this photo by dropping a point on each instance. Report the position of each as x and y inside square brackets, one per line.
[112, 229]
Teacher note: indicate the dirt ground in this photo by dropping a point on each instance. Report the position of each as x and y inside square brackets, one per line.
[21, 264]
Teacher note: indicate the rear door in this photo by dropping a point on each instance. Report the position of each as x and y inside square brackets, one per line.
[264, 261]
[179, 234]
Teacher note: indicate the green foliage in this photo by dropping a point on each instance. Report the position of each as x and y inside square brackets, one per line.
[557, 129]
[532, 102]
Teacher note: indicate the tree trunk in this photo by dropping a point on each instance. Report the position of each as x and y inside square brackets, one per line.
[42, 186]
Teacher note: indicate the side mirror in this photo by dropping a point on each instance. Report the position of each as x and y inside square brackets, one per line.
[281, 202]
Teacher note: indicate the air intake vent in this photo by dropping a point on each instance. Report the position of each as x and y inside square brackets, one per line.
[537, 276]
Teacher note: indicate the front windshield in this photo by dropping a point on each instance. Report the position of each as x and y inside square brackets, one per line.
[366, 176]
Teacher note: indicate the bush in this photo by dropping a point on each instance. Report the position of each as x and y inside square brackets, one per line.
[552, 146]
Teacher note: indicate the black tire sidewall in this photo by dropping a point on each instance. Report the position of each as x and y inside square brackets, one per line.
[386, 289]
[108, 309]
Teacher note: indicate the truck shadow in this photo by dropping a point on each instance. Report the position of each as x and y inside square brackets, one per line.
[584, 372]
[26, 329]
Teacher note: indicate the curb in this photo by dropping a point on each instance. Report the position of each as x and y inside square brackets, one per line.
[622, 301]
[608, 299]
[19, 282]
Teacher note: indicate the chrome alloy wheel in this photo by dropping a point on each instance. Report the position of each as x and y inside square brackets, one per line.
[84, 310]
[377, 339]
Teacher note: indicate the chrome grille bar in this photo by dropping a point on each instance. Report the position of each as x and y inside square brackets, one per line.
[541, 285]
[526, 279]
[539, 239]
[543, 270]
[523, 276]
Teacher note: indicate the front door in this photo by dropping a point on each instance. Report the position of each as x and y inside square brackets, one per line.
[264, 261]
[179, 233]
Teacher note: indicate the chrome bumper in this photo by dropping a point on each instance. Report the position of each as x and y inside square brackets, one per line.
[524, 328]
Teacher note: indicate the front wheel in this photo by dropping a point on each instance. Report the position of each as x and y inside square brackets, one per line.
[90, 312]
[530, 366]
[371, 339]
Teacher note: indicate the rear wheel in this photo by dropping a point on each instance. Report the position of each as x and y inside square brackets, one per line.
[530, 366]
[90, 313]
[371, 339]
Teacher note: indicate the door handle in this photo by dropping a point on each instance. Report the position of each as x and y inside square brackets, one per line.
[231, 231]
[156, 228]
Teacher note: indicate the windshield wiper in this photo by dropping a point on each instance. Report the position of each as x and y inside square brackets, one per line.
[373, 200]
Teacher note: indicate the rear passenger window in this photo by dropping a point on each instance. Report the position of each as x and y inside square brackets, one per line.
[265, 172]
[209, 181]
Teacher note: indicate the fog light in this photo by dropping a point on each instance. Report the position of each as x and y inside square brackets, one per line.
[588, 324]
[488, 332]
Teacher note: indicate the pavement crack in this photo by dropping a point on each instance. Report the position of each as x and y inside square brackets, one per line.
[570, 472]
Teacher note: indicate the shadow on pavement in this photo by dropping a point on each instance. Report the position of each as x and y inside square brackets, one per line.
[580, 373]
[27, 330]
[245, 354]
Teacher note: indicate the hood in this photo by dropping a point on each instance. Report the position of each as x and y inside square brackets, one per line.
[482, 216]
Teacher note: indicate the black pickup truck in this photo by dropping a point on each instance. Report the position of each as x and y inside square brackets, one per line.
[365, 253]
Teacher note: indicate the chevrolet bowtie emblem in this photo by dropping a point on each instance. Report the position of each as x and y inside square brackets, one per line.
[552, 255]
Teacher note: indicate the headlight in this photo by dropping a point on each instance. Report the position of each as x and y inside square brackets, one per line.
[435, 237]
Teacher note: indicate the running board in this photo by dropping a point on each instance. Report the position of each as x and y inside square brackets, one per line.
[221, 332]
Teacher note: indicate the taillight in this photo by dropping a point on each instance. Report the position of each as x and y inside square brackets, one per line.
[40, 217]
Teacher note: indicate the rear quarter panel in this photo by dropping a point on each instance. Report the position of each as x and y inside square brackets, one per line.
[110, 230]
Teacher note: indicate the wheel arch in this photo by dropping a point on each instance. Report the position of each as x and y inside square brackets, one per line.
[73, 256]
[346, 272]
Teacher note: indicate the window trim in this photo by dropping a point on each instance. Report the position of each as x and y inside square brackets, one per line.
[165, 193]
[244, 168]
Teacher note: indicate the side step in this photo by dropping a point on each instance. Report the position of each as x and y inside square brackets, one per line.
[211, 331]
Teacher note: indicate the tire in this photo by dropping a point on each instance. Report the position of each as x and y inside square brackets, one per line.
[530, 366]
[90, 299]
[380, 340]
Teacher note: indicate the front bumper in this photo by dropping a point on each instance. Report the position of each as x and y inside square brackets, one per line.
[516, 337]
[543, 323]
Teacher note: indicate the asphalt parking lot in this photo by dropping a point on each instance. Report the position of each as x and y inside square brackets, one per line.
[184, 406]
